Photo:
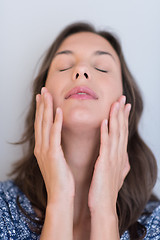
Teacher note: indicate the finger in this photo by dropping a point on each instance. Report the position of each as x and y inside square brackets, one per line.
[113, 123]
[55, 136]
[126, 114]
[104, 138]
[122, 127]
[114, 128]
[127, 110]
[47, 118]
[44, 90]
[38, 120]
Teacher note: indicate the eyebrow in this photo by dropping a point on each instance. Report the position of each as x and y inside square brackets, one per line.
[64, 52]
[97, 53]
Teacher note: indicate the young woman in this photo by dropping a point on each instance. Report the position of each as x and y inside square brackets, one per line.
[87, 174]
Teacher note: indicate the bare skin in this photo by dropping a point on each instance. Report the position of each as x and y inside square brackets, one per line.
[83, 161]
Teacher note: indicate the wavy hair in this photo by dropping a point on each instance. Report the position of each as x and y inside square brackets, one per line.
[137, 188]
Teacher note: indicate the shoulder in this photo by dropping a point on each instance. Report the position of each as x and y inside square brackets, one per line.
[13, 223]
[8, 190]
[10, 193]
[151, 220]
[8, 196]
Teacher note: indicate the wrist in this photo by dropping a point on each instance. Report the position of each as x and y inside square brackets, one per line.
[104, 217]
[58, 217]
[107, 210]
[60, 201]
[104, 226]
[60, 205]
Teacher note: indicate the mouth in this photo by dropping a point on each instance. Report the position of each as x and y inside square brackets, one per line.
[81, 92]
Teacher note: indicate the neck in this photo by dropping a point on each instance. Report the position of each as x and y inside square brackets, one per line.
[81, 151]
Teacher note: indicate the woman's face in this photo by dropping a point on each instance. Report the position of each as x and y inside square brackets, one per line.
[85, 60]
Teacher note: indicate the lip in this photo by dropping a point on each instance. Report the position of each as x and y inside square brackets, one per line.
[81, 89]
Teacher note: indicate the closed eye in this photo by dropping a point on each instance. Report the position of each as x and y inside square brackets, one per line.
[62, 70]
[101, 70]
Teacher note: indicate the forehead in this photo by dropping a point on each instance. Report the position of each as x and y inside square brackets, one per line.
[86, 41]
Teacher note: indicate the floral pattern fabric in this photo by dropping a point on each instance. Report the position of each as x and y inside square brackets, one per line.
[14, 225]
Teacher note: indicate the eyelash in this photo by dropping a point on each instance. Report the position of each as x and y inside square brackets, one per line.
[61, 70]
[104, 71]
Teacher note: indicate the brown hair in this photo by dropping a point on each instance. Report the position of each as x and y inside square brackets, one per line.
[137, 187]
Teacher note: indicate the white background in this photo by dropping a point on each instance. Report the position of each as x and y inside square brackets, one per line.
[27, 28]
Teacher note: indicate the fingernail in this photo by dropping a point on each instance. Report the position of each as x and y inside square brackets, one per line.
[37, 98]
[45, 95]
[43, 90]
[124, 99]
[129, 107]
[106, 122]
[58, 110]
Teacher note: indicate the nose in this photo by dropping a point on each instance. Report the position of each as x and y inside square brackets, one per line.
[85, 74]
[81, 72]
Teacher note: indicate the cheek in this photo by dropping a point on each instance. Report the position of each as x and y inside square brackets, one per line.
[111, 94]
[115, 86]
[55, 90]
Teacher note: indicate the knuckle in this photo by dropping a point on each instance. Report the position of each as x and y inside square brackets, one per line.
[112, 128]
[45, 122]
[116, 133]
[124, 128]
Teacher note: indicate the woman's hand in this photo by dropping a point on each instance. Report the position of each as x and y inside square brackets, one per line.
[56, 173]
[112, 165]
[111, 168]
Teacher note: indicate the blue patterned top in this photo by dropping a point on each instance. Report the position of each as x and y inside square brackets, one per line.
[15, 226]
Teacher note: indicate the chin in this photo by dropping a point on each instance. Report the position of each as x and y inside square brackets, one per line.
[82, 116]
[81, 121]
